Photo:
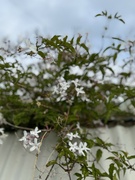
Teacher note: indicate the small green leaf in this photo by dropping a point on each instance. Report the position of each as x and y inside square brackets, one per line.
[131, 157]
[118, 39]
[111, 170]
[1, 58]
[110, 17]
[115, 177]
[114, 57]
[85, 47]
[98, 155]
[50, 163]
[98, 15]
[122, 21]
[40, 53]
[78, 39]
[79, 176]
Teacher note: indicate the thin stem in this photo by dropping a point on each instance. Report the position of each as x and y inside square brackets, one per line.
[25, 128]
[43, 171]
[36, 159]
[49, 172]
[68, 169]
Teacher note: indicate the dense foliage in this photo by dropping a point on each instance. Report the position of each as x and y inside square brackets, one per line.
[68, 82]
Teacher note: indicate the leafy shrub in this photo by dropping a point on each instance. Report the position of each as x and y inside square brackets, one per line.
[69, 87]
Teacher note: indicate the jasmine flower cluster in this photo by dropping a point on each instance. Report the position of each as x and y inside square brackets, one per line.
[30, 139]
[61, 90]
[77, 148]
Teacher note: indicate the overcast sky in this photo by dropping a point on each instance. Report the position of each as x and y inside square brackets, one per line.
[65, 17]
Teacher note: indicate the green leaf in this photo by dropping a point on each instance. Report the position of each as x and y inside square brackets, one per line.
[85, 171]
[78, 39]
[79, 176]
[43, 55]
[115, 57]
[122, 21]
[115, 15]
[115, 177]
[110, 69]
[118, 39]
[95, 172]
[110, 17]
[104, 13]
[98, 15]
[102, 71]
[1, 58]
[50, 163]
[55, 38]
[109, 47]
[131, 157]
[65, 39]
[85, 47]
[98, 155]
[111, 170]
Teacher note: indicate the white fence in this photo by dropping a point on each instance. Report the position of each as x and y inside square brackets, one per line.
[17, 163]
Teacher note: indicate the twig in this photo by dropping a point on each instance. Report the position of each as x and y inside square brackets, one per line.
[25, 128]
[36, 159]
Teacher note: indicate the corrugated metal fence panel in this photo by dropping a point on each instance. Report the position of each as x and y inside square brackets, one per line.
[16, 163]
[124, 139]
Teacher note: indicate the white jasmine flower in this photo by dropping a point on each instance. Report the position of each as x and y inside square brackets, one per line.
[35, 145]
[35, 132]
[62, 96]
[83, 148]
[73, 147]
[55, 90]
[76, 82]
[79, 91]
[26, 144]
[84, 98]
[24, 138]
[64, 86]
[61, 89]
[30, 139]
[76, 135]
[71, 136]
